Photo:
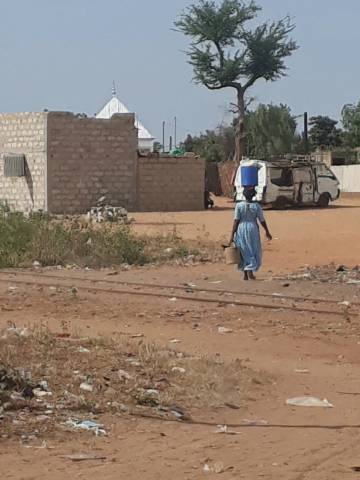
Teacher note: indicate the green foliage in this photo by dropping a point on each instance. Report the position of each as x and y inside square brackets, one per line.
[111, 244]
[16, 233]
[213, 145]
[23, 240]
[271, 131]
[225, 50]
[351, 123]
[324, 133]
[55, 242]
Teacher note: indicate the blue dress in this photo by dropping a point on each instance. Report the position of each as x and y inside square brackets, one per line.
[247, 237]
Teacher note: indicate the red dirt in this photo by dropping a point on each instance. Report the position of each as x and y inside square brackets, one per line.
[302, 236]
[299, 443]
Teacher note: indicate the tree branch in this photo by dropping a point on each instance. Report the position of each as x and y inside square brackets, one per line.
[250, 82]
[221, 54]
[236, 85]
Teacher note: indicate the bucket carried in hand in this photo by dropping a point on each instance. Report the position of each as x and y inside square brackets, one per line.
[232, 255]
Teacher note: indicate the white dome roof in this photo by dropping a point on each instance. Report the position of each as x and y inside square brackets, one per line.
[113, 107]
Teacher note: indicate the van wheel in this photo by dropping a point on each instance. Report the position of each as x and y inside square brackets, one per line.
[324, 200]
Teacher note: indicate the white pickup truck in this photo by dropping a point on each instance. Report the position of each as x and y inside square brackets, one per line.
[286, 183]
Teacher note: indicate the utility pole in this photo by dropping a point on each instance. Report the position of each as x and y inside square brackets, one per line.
[175, 136]
[163, 137]
[170, 144]
[306, 134]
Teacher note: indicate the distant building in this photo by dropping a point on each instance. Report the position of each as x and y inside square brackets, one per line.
[63, 163]
[338, 156]
[114, 106]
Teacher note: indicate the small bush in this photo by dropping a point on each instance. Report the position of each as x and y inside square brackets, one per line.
[23, 240]
[16, 234]
[58, 242]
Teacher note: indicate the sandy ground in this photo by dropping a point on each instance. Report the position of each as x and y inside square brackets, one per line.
[303, 236]
[298, 443]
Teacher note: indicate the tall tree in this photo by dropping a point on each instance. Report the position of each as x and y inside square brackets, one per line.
[324, 133]
[227, 51]
[351, 123]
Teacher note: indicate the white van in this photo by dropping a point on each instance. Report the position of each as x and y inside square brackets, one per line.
[286, 183]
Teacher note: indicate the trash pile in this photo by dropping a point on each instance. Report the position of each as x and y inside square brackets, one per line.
[15, 386]
[107, 213]
[53, 381]
[328, 274]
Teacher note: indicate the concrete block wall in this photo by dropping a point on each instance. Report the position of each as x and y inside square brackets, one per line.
[88, 158]
[24, 133]
[170, 184]
[71, 162]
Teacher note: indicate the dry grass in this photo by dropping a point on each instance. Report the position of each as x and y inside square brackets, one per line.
[71, 241]
[123, 373]
[173, 249]
[52, 242]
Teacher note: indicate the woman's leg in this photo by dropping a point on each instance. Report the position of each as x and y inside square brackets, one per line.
[251, 275]
[246, 275]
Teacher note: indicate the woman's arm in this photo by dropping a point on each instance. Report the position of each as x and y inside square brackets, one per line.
[260, 216]
[265, 227]
[234, 230]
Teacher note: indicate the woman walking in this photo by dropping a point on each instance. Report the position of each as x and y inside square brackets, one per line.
[246, 235]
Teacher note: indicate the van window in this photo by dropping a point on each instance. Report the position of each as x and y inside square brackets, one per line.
[302, 175]
[324, 172]
[282, 177]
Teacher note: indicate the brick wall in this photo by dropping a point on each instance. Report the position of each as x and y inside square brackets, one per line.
[24, 133]
[170, 183]
[88, 158]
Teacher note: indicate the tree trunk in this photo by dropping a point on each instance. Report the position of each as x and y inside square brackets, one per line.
[240, 127]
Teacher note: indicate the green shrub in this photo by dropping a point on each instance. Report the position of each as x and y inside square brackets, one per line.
[58, 242]
[16, 234]
[23, 240]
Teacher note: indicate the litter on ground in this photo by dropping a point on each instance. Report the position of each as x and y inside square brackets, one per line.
[81, 457]
[224, 330]
[87, 387]
[224, 429]
[83, 350]
[178, 370]
[88, 425]
[308, 402]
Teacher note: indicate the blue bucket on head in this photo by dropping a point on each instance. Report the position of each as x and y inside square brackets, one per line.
[249, 177]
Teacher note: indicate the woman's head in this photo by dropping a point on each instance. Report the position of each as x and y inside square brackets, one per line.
[249, 193]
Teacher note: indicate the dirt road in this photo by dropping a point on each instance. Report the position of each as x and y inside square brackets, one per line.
[295, 353]
[306, 236]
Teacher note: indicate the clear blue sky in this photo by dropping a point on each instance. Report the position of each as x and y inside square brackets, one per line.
[64, 55]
